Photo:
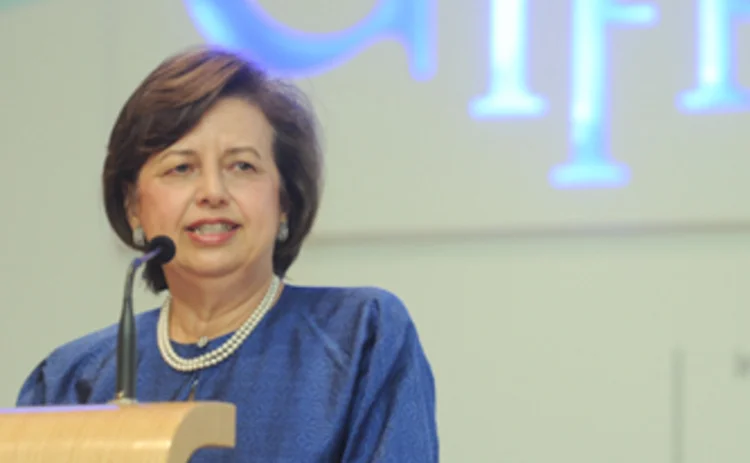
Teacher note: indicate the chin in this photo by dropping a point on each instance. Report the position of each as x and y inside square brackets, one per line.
[215, 267]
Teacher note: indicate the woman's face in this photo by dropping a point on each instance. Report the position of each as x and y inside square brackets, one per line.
[215, 192]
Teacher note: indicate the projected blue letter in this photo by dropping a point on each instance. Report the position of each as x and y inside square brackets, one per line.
[717, 88]
[508, 94]
[590, 163]
[244, 26]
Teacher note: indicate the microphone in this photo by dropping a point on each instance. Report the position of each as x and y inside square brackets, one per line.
[161, 250]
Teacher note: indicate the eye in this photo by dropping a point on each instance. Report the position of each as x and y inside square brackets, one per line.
[243, 166]
[180, 169]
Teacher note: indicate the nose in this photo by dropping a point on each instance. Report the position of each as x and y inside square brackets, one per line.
[211, 189]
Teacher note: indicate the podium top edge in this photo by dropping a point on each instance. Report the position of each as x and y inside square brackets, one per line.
[108, 407]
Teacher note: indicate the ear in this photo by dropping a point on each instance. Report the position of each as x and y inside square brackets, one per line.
[131, 207]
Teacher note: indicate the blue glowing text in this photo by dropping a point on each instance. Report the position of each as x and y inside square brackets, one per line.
[244, 26]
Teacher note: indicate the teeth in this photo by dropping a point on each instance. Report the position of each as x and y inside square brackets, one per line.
[213, 228]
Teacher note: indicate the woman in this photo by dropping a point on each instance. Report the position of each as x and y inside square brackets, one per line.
[225, 161]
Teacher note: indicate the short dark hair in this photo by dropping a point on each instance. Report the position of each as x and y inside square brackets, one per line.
[173, 98]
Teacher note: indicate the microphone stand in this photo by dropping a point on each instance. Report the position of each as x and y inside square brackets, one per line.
[126, 336]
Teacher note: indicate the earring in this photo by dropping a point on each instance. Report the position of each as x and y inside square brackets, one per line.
[283, 231]
[139, 237]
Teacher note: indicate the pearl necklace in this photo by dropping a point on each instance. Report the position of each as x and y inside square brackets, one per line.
[220, 353]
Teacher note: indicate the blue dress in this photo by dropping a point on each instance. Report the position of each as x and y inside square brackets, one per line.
[329, 375]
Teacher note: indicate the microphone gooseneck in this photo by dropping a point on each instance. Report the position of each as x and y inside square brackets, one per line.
[161, 250]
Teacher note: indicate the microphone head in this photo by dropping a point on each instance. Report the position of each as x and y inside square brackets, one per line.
[166, 248]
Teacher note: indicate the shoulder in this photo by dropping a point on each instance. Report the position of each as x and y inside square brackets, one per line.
[353, 319]
[84, 349]
[353, 300]
[50, 380]
[360, 305]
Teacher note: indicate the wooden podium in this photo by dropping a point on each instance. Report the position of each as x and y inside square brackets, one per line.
[115, 433]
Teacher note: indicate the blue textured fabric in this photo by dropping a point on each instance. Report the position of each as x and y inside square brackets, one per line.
[329, 375]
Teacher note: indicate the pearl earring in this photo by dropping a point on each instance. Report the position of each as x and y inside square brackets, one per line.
[283, 231]
[139, 237]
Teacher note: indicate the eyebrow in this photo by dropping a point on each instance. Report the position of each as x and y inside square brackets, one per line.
[231, 151]
[243, 149]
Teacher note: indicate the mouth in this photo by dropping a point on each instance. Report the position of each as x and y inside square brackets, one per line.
[212, 227]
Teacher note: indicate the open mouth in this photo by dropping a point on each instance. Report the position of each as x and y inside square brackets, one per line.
[212, 228]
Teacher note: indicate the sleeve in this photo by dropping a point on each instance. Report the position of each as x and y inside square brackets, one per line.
[34, 388]
[393, 413]
[62, 378]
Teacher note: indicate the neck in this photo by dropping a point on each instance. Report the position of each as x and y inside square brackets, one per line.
[213, 307]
